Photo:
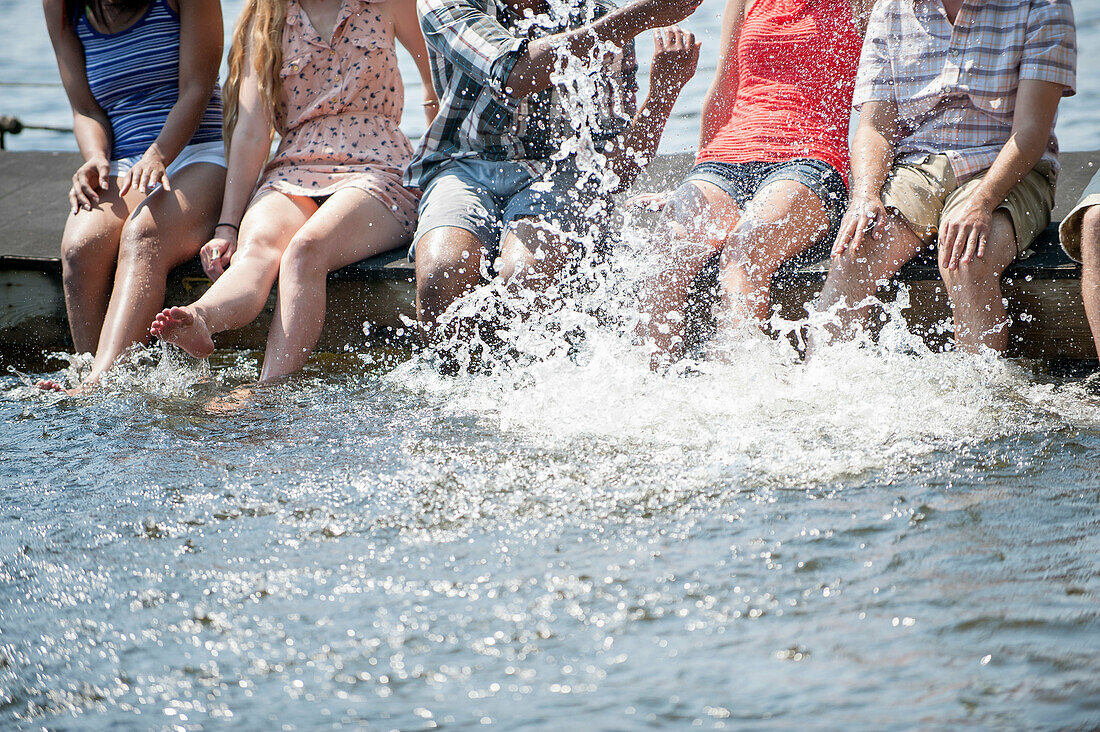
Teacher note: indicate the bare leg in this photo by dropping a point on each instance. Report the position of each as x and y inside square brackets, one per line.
[781, 221]
[89, 248]
[533, 255]
[165, 230]
[975, 291]
[448, 266]
[239, 295]
[350, 226]
[697, 221]
[855, 274]
[1090, 271]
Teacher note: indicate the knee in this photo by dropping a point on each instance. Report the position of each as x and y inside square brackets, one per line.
[139, 242]
[968, 280]
[306, 255]
[1090, 237]
[83, 251]
[439, 260]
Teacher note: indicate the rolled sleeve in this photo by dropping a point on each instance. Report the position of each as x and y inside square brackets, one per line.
[1050, 48]
[875, 76]
[472, 40]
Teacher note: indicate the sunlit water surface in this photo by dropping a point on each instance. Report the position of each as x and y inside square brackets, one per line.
[873, 538]
[881, 536]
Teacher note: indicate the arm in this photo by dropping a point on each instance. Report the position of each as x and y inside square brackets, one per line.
[514, 67]
[531, 72]
[200, 57]
[872, 157]
[90, 124]
[248, 151]
[407, 29]
[718, 103]
[675, 59]
[963, 233]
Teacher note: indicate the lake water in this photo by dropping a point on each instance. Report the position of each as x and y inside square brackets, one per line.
[880, 537]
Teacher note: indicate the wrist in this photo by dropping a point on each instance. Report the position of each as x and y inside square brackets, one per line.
[984, 201]
[227, 227]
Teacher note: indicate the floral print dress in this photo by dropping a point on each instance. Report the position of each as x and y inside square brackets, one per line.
[339, 111]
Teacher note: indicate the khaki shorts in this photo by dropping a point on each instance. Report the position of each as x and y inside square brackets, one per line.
[1070, 230]
[923, 192]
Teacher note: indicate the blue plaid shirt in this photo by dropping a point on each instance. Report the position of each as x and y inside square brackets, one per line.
[473, 46]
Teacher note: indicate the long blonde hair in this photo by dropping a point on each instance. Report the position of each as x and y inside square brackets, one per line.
[258, 37]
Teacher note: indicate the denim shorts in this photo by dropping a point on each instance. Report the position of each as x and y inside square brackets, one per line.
[742, 181]
[486, 197]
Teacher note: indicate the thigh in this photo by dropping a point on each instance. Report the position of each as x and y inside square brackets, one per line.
[270, 222]
[102, 226]
[701, 212]
[1027, 205]
[784, 219]
[183, 218]
[822, 180]
[351, 225]
[918, 193]
[739, 181]
[454, 199]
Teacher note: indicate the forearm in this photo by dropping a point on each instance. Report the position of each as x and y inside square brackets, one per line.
[634, 150]
[872, 158]
[247, 155]
[532, 70]
[1019, 155]
[93, 136]
[183, 120]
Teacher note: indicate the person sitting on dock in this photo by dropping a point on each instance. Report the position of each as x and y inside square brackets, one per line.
[957, 101]
[142, 79]
[769, 182]
[1080, 236]
[494, 202]
[324, 74]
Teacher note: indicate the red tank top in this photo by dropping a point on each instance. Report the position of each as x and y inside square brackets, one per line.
[796, 67]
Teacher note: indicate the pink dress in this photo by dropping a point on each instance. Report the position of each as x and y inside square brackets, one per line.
[340, 110]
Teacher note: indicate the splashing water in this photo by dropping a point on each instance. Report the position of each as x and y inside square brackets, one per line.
[880, 536]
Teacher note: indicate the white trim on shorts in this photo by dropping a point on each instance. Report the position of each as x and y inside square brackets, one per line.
[201, 152]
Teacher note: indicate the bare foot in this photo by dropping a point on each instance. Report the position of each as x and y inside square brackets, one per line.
[50, 385]
[185, 328]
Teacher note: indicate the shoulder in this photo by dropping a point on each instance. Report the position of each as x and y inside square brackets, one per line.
[1051, 10]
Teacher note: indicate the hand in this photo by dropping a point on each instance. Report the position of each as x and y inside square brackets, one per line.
[146, 173]
[651, 201]
[89, 179]
[963, 234]
[661, 13]
[675, 58]
[217, 254]
[864, 218]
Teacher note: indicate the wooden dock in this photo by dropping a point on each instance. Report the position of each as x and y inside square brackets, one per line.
[1043, 290]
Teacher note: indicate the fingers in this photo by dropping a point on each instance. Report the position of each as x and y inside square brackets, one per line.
[125, 182]
[844, 236]
[143, 180]
[86, 193]
[74, 201]
[971, 247]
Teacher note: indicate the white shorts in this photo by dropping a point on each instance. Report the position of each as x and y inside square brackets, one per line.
[203, 152]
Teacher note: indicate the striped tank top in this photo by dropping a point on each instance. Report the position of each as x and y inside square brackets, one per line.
[134, 76]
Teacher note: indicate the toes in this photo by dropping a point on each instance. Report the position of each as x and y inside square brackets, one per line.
[180, 315]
